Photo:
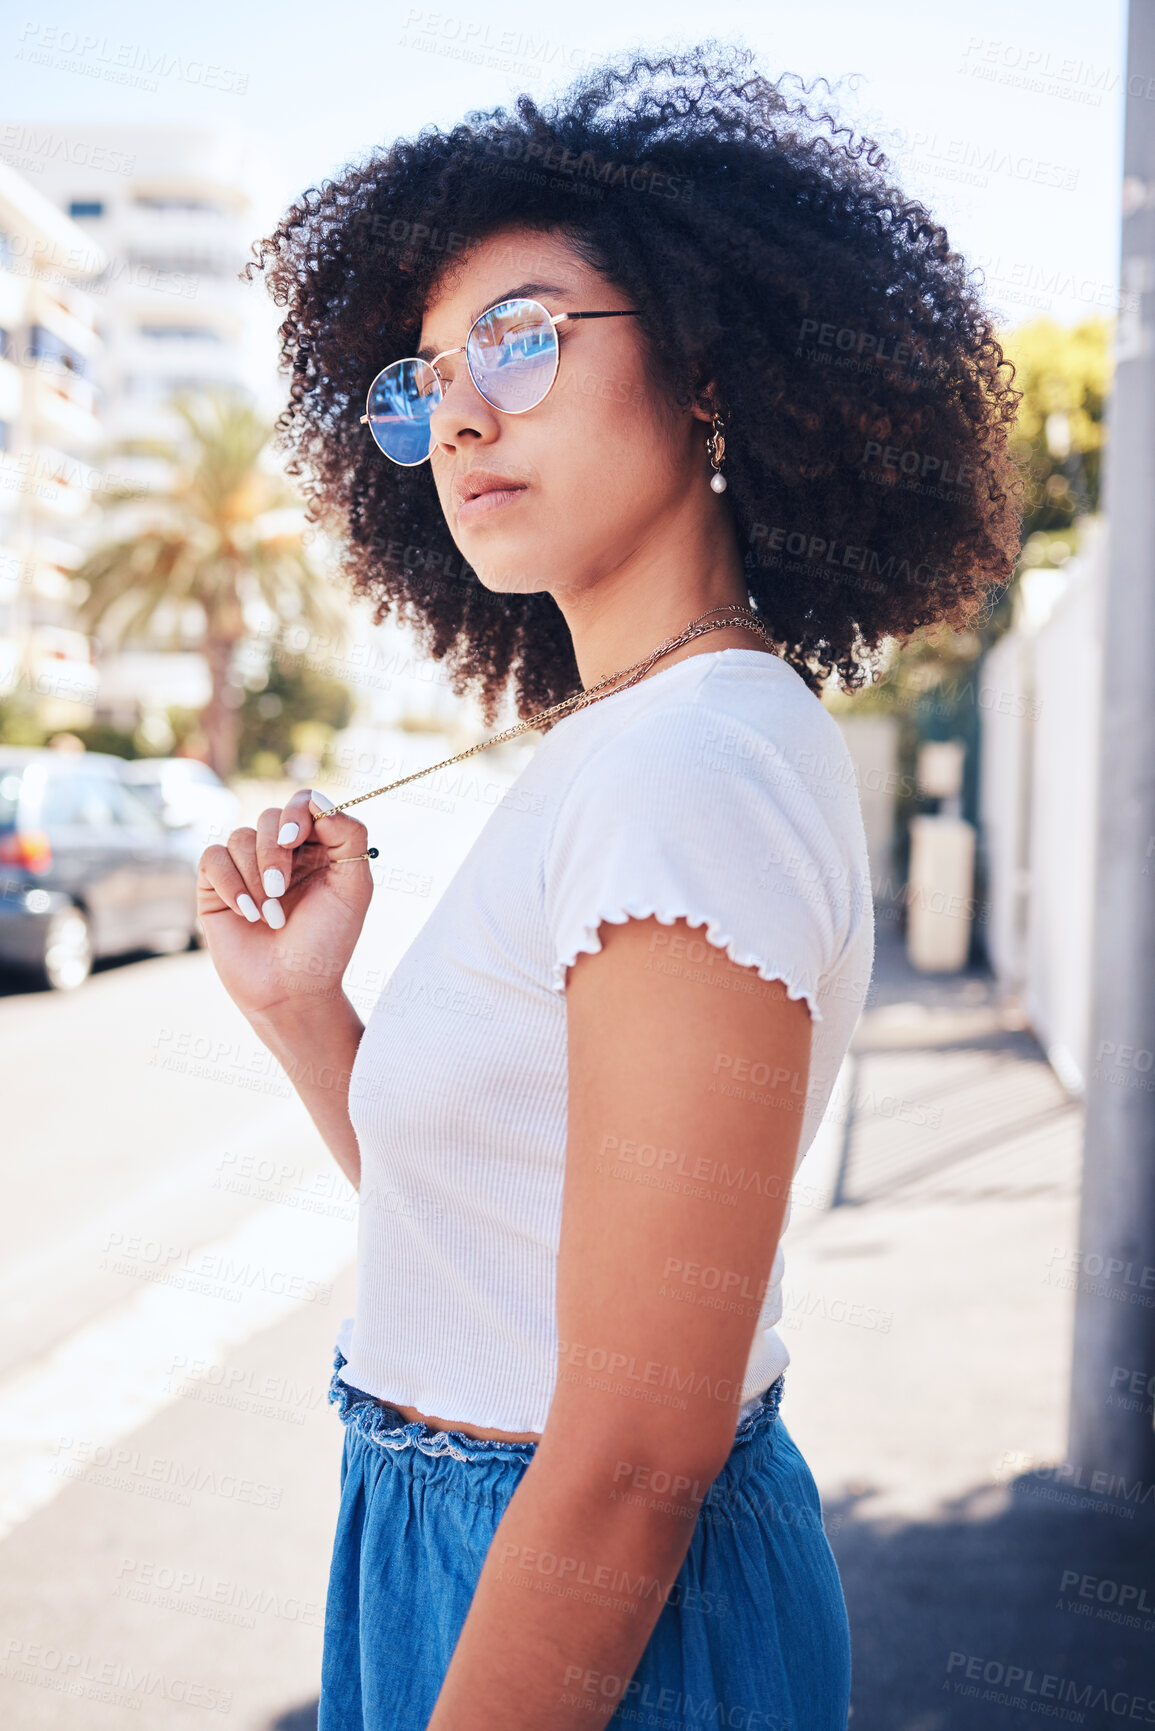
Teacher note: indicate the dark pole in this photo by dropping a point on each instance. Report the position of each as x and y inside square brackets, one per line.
[1114, 1269]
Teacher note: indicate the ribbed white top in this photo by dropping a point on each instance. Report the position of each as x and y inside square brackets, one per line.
[718, 790]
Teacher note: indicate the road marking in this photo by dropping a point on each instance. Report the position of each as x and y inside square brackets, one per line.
[112, 1376]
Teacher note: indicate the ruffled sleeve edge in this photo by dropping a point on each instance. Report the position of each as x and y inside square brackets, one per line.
[589, 943]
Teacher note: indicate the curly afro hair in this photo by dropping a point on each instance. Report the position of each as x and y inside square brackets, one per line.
[865, 397]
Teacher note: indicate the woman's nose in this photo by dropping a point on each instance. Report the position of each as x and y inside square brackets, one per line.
[462, 413]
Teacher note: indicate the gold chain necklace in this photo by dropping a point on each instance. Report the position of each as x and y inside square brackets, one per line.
[736, 615]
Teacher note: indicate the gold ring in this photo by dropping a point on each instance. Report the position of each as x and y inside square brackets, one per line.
[352, 858]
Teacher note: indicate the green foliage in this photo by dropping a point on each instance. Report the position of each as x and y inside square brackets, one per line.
[226, 531]
[18, 722]
[1064, 373]
[102, 736]
[187, 738]
[298, 709]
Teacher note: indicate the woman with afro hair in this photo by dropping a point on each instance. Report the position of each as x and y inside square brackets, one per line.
[662, 405]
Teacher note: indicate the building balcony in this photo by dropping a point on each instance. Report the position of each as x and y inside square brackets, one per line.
[60, 405]
[11, 392]
[67, 313]
[178, 224]
[46, 483]
[13, 299]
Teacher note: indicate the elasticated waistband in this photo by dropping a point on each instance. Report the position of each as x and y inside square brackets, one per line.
[385, 1427]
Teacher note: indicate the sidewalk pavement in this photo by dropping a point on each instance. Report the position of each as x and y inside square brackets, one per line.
[928, 1311]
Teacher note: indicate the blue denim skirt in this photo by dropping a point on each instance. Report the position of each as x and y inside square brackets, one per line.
[753, 1633]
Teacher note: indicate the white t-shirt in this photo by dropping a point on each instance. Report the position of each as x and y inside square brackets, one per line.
[718, 790]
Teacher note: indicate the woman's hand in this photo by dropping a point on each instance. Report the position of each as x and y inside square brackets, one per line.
[285, 939]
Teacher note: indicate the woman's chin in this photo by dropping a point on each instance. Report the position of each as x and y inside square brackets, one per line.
[511, 581]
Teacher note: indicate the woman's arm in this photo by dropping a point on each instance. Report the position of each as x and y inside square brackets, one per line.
[315, 1043]
[283, 960]
[650, 1362]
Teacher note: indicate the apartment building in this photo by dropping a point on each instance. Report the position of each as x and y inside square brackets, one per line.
[49, 442]
[175, 209]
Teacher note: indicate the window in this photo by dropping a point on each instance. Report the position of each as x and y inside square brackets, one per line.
[86, 207]
[144, 266]
[179, 333]
[9, 798]
[189, 206]
[78, 799]
[45, 345]
[131, 811]
[152, 388]
[198, 773]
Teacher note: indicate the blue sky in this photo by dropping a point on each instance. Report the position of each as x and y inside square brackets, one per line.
[1004, 118]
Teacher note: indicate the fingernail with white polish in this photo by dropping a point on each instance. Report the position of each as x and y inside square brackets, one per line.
[274, 913]
[274, 882]
[249, 908]
[288, 833]
[321, 801]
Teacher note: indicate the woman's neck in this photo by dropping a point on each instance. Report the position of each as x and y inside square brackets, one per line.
[624, 616]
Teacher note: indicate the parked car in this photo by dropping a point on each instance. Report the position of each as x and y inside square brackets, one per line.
[87, 867]
[188, 795]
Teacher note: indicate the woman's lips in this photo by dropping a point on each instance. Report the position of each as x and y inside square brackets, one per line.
[481, 503]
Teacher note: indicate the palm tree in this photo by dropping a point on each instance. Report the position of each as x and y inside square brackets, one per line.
[226, 529]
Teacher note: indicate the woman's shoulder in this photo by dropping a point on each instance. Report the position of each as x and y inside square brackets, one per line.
[711, 801]
[741, 715]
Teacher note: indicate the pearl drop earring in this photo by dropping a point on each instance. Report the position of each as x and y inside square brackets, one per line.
[716, 445]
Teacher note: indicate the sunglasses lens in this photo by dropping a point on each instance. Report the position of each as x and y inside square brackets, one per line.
[512, 353]
[401, 400]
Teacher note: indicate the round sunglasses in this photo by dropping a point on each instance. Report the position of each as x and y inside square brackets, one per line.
[512, 353]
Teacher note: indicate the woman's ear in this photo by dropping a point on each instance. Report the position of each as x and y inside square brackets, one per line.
[705, 403]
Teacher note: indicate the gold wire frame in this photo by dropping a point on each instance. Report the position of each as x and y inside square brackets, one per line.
[554, 319]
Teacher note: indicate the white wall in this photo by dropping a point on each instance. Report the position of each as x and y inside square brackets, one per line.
[1039, 802]
[1004, 787]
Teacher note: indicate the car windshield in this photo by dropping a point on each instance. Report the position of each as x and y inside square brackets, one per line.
[150, 791]
[9, 797]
